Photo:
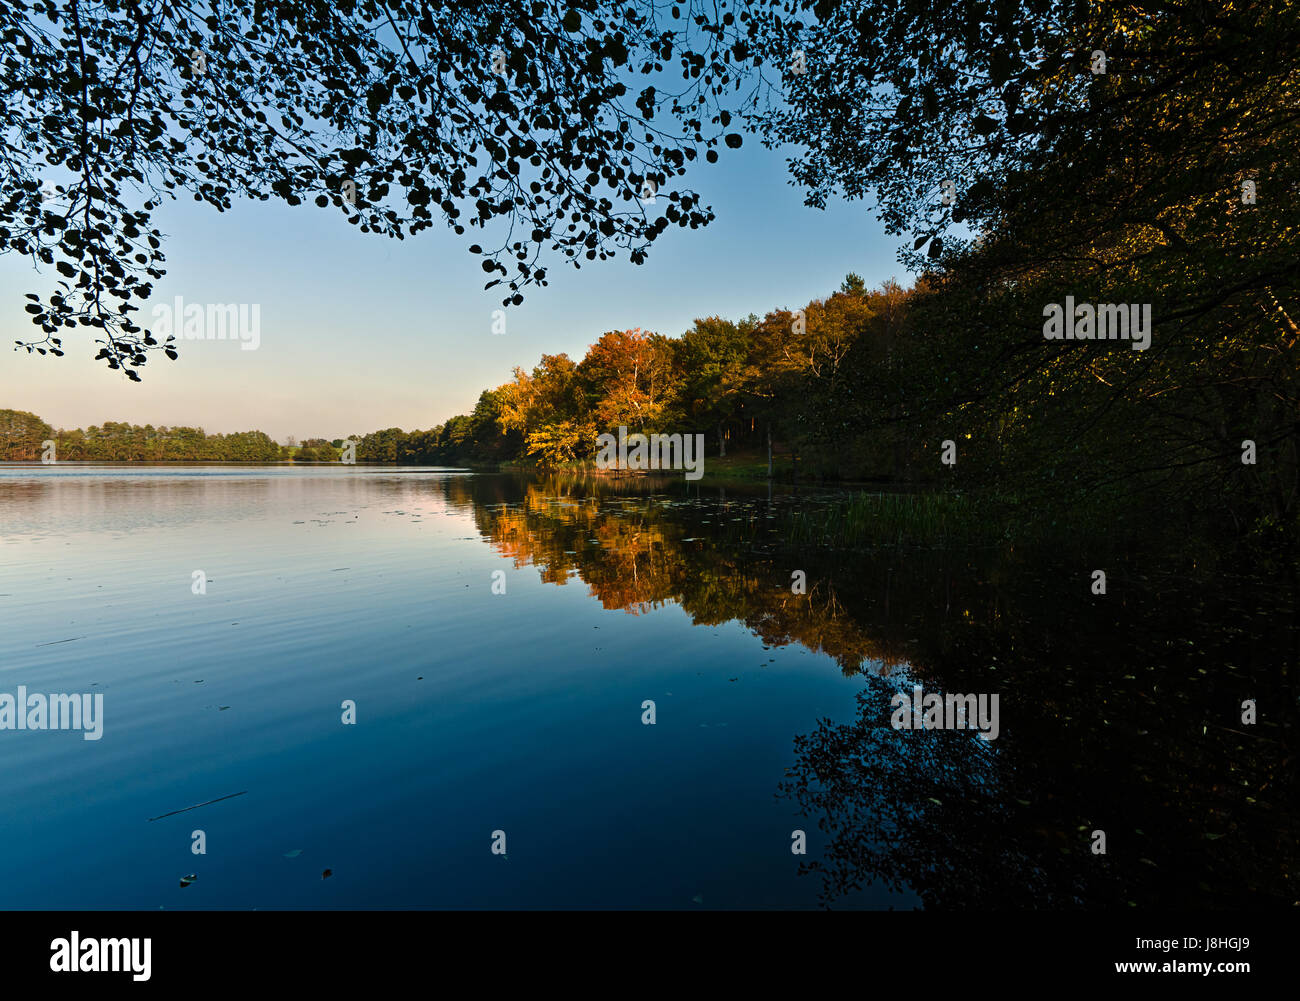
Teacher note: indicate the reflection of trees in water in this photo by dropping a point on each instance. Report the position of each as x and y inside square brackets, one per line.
[929, 810]
[1119, 716]
[638, 550]
[1119, 713]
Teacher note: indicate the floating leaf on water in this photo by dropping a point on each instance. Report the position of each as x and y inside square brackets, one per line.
[187, 880]
[935, 801]
[327, 874]
[1213, 837]
[698, 898]
[293, 854]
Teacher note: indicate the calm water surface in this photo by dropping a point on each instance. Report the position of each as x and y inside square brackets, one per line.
[522, 712]
[475, 711]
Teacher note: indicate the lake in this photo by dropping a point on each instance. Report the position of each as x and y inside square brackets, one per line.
[399, 687]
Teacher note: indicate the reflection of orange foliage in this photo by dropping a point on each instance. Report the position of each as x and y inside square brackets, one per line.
[818, 621]
[630, 553]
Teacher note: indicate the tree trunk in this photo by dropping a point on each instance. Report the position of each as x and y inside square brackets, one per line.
[722, 444]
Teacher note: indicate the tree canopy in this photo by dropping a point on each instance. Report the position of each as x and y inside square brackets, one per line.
[558, 120]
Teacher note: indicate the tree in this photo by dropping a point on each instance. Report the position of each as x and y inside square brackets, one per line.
[560, 441]
[629, 375]
[396, 113]
[316, 450]
[22, 435]
[552, 392]
[381, 446]
[1109, 152]
[709, 358]
[818, 412]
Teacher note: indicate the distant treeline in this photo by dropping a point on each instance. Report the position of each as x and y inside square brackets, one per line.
[23, 434]
[22, 437]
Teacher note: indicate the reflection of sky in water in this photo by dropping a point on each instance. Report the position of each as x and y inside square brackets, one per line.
[475, 711]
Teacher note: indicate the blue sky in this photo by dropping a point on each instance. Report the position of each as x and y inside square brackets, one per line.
[359, 332]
